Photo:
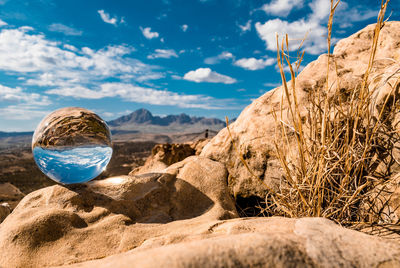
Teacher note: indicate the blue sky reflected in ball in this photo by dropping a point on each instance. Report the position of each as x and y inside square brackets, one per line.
[75, 165]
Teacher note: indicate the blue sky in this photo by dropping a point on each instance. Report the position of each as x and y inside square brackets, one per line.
[201, 57]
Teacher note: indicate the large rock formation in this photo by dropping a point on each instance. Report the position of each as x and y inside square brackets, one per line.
[254, 131]
[58, 225]
[179, 218]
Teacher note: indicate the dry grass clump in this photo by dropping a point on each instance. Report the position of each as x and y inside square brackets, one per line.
[343, 147]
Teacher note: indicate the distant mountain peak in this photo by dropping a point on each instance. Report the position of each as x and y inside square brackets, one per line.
[145, 117]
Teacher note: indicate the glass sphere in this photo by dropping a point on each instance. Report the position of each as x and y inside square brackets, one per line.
[72, 145]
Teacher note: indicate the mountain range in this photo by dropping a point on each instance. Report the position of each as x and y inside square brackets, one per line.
[143, 116]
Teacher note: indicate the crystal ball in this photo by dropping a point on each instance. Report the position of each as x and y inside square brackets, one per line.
[72, 145]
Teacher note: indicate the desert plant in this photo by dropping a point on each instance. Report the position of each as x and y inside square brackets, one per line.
[341, 145]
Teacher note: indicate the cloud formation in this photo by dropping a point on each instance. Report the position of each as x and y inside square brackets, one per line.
[61, 28]
[163, 53]
[184, 27]
[246, 27]
[17, 95]
[22, 105]
[297, 30]
[225, 55]
[282, 8]
[22, 51]
[108, 19]
[254, 64]
[46, 63]
[313, 25]
[148, 33]
[3, 23]
[138, 94]
[207, 75]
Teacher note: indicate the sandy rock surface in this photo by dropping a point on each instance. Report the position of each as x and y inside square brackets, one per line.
[254, 131]
[264, 242]
[59, 225]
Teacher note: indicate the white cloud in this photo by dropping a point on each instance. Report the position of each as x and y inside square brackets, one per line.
[148, 33]
[313, 24]
[137, 94]
[207, 75]
[176, 77]
[254, 64]
[108, 19]
[78, 92]
[163, 53]
[297, 30]
[61, 28]
[225, 55]
[246, 27]
[12, 95]
[3, 23]
[22, 112]
[184, 27]
[282, 7]
[70, 47]
[150, 76]
[320, 10]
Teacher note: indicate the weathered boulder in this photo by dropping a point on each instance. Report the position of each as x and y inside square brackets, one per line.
[164, 155]
[60, 225]
[260, 242]
[254, 131]
[199, 145]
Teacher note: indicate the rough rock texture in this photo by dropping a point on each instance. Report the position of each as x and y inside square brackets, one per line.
[59, 225]
[199, 145]
[164, 155]
[10, 194]
[254, 130]
[261, 242]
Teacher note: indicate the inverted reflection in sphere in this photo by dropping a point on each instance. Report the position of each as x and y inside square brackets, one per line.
[72, 145]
